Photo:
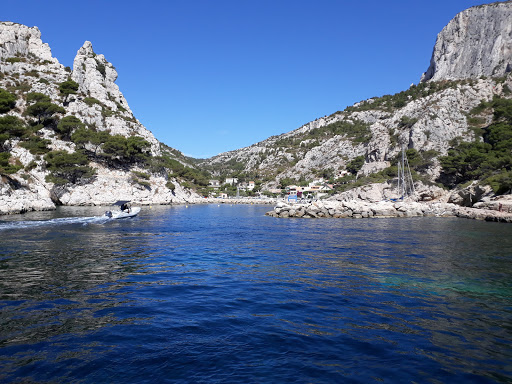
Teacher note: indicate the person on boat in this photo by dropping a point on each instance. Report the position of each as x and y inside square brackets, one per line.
[125, 207]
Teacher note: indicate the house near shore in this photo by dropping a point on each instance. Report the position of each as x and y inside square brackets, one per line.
[291, 189]
[317, 188]
[231, 181]
[215, 184]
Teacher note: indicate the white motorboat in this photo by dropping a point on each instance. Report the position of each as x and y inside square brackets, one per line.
[125, 210]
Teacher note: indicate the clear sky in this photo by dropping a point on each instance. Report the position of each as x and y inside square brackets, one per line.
[208, 76]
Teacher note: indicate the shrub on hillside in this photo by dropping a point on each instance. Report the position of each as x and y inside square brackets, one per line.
[12, 127]
[42, 108]
[36, 145]
[83, 136]
[90, 101]
[15, 60]
[354, 165]
[67, 167]
[67, 88]
[67, 125]
[357, 130]
[6, 167]
[7, 101]
[133, 149]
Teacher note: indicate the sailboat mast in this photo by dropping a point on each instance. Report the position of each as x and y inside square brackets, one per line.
[405, 181]
[399, 180]
[409, 177]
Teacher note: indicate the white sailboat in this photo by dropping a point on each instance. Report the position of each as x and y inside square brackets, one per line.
[405, 182]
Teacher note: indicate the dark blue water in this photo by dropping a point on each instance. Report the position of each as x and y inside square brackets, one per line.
[223, 294]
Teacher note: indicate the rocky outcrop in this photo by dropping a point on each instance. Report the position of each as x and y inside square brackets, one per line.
[24, 55]
[96, 79]
[17, 40]
[381, 200]
[499, 203]
[373, 193]
[27, 65]
[469, 195]
[16, 197]
[477, 42]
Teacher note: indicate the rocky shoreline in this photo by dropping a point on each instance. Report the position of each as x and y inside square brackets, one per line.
[32, 202]
[355, 209]
[234, 200]
[358, 209]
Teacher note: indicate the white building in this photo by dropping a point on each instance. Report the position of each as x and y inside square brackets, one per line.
[214, 184]
[231, 180]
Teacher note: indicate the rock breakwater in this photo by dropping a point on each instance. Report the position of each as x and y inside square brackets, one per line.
[357, 209]
[235, 200]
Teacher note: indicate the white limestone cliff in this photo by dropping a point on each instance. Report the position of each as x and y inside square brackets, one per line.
[17, 40]
[96, 79]
[438, 118]
[27, 65]
[477, 42]
[473, 53]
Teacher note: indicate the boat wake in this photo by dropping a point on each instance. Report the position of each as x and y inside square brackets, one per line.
[6, 225]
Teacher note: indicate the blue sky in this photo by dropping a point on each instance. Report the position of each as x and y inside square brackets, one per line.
[208, 76]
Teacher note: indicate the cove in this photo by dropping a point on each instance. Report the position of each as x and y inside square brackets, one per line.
[212, 293]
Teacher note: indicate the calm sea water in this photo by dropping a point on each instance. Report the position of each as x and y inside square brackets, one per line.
[223, 294]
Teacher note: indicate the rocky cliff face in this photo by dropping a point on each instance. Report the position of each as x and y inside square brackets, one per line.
[424, 123]
[96, 79]
[27, 66]
[21, 41]
[477, 42]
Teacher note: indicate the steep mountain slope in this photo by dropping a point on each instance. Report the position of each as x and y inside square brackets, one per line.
[425, 118]
[69, 137]
[377, 129]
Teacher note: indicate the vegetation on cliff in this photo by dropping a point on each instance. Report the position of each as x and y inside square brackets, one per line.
[71, 130]
[489, 158]
[391, 103]
[90, 144]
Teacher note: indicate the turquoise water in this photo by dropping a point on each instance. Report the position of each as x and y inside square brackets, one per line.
[224, 294]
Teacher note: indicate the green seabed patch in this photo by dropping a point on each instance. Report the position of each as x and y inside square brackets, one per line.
[443, 287]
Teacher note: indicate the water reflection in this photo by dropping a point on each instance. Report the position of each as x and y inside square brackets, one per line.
[196, 293]
[65, 280]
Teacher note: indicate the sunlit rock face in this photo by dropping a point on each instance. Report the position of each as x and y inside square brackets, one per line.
[96, 79]
[17, 40]
[474, 52]
[477, 42]
[27, 65]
